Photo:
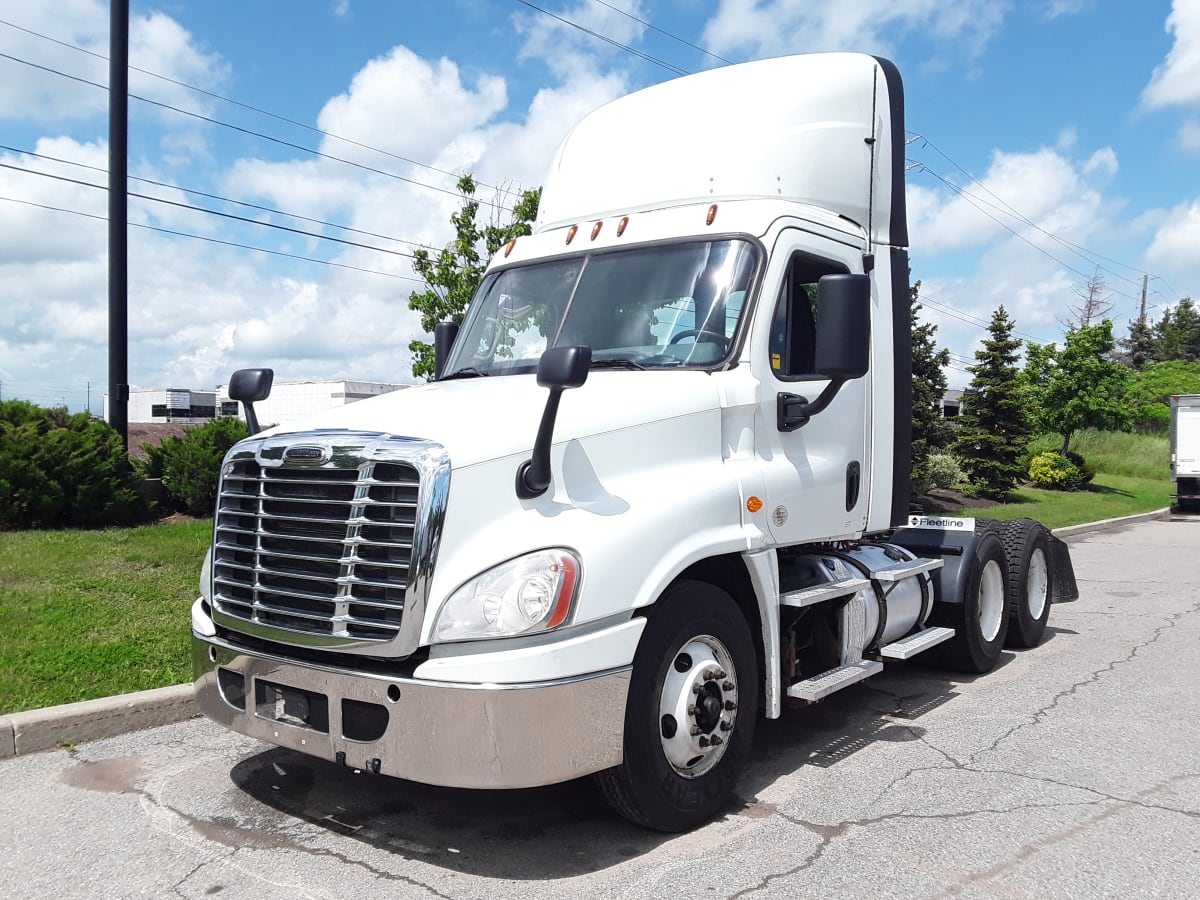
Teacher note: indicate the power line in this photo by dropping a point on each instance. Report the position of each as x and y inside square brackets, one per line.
[673, 37]
[1082, 252]
[214, 212]
[243, 105]
[971, 199]
[199, 193]
[200, 237]
[670, 67]
[257, 134]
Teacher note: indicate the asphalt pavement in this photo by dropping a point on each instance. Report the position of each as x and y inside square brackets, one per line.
[1072, 770]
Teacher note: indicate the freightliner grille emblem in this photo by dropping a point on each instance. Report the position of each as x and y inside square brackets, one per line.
[306, 455]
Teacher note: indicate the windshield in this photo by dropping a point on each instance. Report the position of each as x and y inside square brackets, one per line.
[667, 306]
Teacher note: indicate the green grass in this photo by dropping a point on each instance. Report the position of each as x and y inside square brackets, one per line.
[1132, 476]
[87, 614]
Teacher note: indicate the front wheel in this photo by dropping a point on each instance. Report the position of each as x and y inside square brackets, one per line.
[690, 715]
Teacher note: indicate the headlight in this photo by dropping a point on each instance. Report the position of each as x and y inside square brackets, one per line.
[531, 593]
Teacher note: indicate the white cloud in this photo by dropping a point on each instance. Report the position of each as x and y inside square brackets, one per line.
[758, 28]
[157, 43]
[1176, 81]
[567, 49]
[1174, 246]
[1057, 8]
[1189, 134]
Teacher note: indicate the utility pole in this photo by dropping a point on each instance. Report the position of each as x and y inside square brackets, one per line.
[118, 231]
[1145, 284]
[89, 399]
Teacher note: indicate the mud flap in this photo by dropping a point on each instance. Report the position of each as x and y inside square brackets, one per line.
[1062, 572]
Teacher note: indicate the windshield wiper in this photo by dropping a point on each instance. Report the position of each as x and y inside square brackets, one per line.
[615, 364]
[468, 372]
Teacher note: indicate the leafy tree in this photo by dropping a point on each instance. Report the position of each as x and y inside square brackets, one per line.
[930, 430]
[994, 430]
[452, 276]
[1084, 390]
[59, 470]
[1041, 360]
[1148, 392]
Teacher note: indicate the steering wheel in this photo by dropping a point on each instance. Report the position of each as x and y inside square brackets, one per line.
[700, 334]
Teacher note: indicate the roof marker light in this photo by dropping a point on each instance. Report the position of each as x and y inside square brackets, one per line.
[571, 233]
[712, 214]
[509, 248]
[621, 225]
[596, 229]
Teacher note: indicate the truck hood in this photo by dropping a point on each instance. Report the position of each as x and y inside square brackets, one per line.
[480, 419]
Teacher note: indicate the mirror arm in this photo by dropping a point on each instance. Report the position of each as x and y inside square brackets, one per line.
[533, 476]
[794, 411]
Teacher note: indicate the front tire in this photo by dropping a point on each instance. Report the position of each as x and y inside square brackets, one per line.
[981, 620]
[1029, 584]
[691, 711]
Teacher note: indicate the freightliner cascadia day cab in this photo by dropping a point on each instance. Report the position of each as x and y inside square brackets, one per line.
[1185, 451]
[659, 486]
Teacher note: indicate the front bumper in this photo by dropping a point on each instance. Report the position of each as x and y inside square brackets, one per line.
[473, 736]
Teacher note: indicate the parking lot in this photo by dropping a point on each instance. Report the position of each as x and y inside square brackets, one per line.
[1072, 770]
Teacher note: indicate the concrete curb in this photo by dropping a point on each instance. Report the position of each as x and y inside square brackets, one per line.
[1105, 524]
[89, 720]
[72, 723]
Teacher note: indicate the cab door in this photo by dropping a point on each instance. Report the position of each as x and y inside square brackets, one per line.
[816, 476]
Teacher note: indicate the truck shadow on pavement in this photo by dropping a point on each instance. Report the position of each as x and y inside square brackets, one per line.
[567, 830]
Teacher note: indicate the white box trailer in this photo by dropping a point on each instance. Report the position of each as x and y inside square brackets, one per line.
[1185, 450]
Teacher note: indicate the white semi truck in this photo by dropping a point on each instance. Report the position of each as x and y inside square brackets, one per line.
[1185, 451]
[483, 583]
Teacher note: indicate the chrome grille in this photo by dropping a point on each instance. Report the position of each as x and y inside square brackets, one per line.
[319, 551]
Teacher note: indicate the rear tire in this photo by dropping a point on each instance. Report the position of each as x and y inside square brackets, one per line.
[981, 620]
[690, 715]
[1030, 588]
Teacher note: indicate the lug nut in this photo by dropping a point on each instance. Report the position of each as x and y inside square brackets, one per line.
[725, 726]
[730, 705]
[727, 686]
[720, 673]
[692, 709]
[695, 730]
[717, 739]
[704, 742]
[710, 675]
[695, 688]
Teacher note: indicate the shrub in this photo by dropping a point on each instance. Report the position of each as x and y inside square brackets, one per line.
[944, 470]
[1056, 472]
[190, 466]
[1086, 470]
[59, 470]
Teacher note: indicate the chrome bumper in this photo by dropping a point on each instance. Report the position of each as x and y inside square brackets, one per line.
[473, 736]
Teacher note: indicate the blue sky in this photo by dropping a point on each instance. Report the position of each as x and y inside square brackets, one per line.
[1052, 140]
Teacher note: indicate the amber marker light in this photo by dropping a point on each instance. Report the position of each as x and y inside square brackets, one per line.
[754, 504]
[712, 214]
[596, 229]
[509, 248]
[571, 233]
[621, 225]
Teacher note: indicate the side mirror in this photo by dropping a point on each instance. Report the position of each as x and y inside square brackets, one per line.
[559, 368]
[250, 386]
[843, 326]
[843, 345]
[444, 335]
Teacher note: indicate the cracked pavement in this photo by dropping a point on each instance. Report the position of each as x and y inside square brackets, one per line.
[1071, 770]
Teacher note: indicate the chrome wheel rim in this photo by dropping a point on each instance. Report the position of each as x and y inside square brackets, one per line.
[697, 708]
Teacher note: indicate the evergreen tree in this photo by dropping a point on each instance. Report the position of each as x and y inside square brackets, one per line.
[1138, 350]
[930, 430]
[452, 276]
[1085, 389]
[1177, 333]
[994, 429]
